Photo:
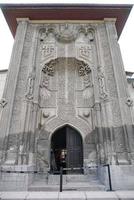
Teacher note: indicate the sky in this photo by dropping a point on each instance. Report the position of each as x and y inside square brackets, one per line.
[126, 40]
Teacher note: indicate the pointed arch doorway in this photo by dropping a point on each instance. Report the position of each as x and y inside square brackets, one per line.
[66, 150]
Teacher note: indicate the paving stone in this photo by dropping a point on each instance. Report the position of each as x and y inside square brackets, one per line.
[43, 195]
[13, 195]
[125, 195]
[101, 195]
[72, 195]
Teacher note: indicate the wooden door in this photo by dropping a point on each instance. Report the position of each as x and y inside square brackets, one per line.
[74, 157]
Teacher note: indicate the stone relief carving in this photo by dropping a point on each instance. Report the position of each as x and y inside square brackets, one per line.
[67, 32]
[3, 102]
[129, 102]
[84, 52]
[97, 106]
[45, 92]
[85, 114]
[85, 72]
[48, 68]
[47, 72]
[48, 51]
[87, 92]
[83, 68]
[47, 46]
[47, 114]
[30, 86]
[101, 81]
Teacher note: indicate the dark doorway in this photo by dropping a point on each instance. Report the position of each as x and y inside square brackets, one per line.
[66, 151]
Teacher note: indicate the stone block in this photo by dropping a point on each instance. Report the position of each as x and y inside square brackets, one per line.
[72, 195]
[16, 181]
[125, 195]
[55, 179]
[13, 195]
[101, 196]
[122, 177]
[42, 195]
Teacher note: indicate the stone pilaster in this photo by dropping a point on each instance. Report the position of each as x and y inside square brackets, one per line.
[11, 84]
[120, 131]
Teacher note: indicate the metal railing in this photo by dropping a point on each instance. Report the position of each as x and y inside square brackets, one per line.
[66, 169]
[61, 174]
[109, 176]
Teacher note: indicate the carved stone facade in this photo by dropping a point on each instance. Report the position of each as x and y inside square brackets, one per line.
[66, 74]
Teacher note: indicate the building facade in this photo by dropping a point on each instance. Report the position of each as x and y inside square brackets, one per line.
[66, 101]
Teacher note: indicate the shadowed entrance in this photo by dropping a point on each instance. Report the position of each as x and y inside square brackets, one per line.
[66, 151]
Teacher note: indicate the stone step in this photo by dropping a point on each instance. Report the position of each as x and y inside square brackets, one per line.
[49, 188]
[54, 179]
[68, 186]
[81, 178]
[73, 182]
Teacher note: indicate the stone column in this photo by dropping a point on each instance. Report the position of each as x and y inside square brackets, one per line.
[11, 84]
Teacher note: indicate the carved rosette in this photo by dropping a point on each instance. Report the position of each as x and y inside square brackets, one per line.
[83, 68]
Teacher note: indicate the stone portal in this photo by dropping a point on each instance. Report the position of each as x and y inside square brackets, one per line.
[66, 99]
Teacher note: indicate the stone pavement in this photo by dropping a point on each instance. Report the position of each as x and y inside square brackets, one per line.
[70, 195]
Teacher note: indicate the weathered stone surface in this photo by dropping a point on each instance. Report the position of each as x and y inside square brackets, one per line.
[66, 74]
